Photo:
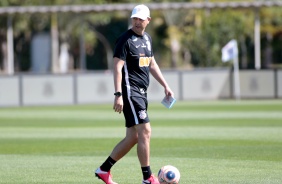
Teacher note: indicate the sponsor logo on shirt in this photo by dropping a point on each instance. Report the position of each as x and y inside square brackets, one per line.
[144, 61]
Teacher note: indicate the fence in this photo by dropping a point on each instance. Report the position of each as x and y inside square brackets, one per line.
[97, 87]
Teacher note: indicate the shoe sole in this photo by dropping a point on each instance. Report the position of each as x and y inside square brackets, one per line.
[98, 176]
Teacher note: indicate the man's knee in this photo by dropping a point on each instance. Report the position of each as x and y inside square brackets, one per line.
[144, 130]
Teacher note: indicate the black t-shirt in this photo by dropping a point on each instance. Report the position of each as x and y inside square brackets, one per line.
[137, 53]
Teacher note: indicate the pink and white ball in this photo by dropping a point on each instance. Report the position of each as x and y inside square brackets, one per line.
[169, 175]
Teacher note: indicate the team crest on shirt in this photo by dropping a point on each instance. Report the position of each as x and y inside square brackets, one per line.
[142, 114]
[134, 38]
[142, 91]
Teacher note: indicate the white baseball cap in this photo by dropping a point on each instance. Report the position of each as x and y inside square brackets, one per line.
[140, 11]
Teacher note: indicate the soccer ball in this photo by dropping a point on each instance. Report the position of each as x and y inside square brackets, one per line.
[169, 175]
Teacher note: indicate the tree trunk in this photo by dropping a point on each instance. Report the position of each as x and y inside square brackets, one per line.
[55, 43]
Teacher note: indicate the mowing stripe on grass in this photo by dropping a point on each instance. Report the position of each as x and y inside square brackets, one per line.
[206, 132]
[23, 169]
[219, 142]
[171, 115]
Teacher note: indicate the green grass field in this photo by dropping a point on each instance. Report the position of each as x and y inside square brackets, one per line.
[217, 142]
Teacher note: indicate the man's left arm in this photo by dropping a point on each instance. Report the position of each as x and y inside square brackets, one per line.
[157, 74]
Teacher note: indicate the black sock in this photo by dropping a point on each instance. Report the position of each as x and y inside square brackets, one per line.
[108, 164]
[146, 172]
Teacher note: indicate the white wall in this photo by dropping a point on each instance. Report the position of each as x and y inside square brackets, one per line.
[98, 87]
[47, 89]
[9, 91]
[257, 84]
[155, 91]
[279, 84]
[206, 84]
[95, 88]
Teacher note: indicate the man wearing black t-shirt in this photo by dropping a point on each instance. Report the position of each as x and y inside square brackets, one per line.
[133, 62]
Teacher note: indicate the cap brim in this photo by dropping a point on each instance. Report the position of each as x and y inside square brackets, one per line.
[139, 16]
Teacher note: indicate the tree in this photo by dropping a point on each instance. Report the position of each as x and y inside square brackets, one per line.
[207, 34]
[181, 37]
[64, 27]
[271, 26]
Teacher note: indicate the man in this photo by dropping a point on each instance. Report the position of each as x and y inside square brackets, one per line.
[133, 61]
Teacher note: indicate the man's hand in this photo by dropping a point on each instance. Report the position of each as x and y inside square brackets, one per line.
[118, 104]
[168, 92]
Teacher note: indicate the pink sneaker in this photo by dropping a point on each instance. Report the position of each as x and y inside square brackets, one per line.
[151, 180]
[105, 176]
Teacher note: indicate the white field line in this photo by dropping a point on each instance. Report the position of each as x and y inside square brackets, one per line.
[170, 115]
[218, 133]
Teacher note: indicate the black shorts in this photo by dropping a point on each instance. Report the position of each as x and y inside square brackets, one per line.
[135, 110]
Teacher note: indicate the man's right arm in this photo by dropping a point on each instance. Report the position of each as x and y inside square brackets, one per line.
[118, 102]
